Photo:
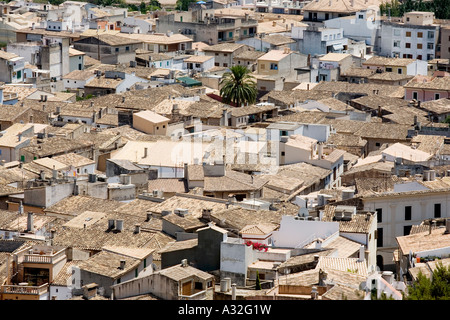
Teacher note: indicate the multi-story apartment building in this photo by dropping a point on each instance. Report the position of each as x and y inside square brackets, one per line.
[206, 26]
[416, 37]
[445, 42]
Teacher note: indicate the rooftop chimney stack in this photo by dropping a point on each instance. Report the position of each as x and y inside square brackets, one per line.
[119, 225]
[447, 226]
[111, 224]
[137, 228]
[30, 222]
[122, 264]
[362, 253]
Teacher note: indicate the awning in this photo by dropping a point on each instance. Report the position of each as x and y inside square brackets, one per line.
[189, 81]
[337, 47]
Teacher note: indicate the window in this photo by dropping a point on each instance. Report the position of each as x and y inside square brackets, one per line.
[379, 215]
[437, 210]
[430, 57]
[437, 96]
[419, 46]
[377, 144]
[273, 66]
[117, 49]
[379, 237]
[407, 45]
[388, 69]
[283, 153]
[399, 70]
[406, 230]
[198, 286]
[408, 33]
[263, 66]
[127, 48]
[419, 57]
[225, 64]
[430, 35]
[225, 54]
[408, 210]
[360, 16]
[419, 34]
[145, 263]
[136, 273]
[216, 64]
[415, 95]
[430, 45]
[397, 43]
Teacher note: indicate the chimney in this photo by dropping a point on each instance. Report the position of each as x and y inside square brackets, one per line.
[30, 222]
[274, 23]
[137, 228]
[119, 224]
[361, 253]
[184, 263]
[379, 111]
[447, 226]
[54, 173]
[111, 224]
[149, 216]
[233, 291]
[122, 264]
[432, 175]
[314, 293]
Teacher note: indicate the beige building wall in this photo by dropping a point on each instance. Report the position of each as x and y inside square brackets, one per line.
[147, 126]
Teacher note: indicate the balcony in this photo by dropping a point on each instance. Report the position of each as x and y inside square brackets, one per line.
[24, 289]
[200, 295]
[49, 257]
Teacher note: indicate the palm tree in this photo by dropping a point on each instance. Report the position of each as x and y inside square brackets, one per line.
[238, 86]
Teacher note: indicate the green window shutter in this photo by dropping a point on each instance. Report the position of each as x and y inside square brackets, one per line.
[136, 272]
[22, 158]
[145, 263]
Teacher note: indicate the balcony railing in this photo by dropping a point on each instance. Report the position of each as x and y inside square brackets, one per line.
[32, 290]
[201, 295]
[43, 258]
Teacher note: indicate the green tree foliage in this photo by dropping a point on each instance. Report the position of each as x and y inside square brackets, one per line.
[441, 8]
[238, 86]
[258, 282]
[183, 5]
[436, 288]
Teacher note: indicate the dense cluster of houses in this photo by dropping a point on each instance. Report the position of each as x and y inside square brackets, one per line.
[124, 176]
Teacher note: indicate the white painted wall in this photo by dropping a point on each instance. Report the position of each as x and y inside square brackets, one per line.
[293, 233]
